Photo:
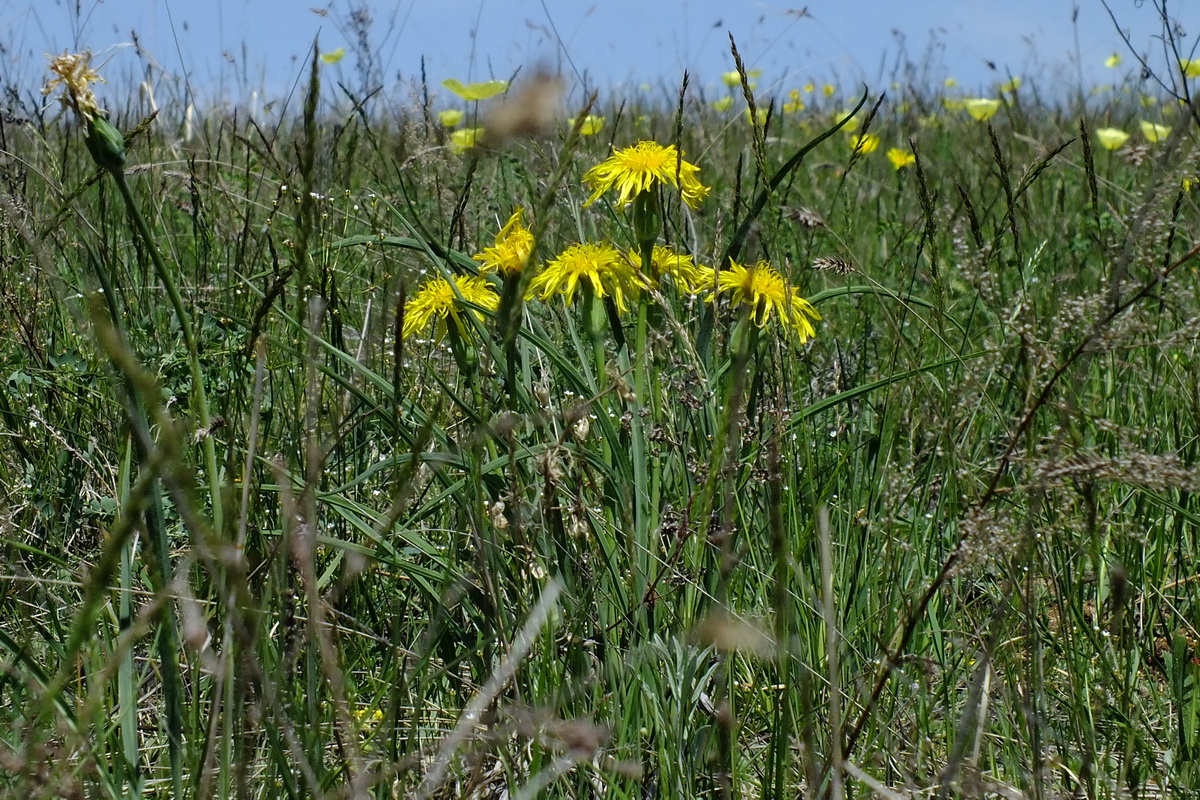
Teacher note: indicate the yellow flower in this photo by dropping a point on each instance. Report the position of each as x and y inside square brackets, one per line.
[766, 292]
[1190, 183]
[808, 87]
[828, 89]
[1153, 132]
[794, 103]
[451, 117]
[464, 139]
[75, 73]
[953, 103]
[334, 56]
[900, 158]
[604, 268]
[436, 300]
[724, 104]
[732, 78]
[1190, 67]
[681, 267]
[510, 253]
[1111, 138]
[590, 126]
[475, 91]
[1010, 86]
[1148, 100]
[759, 116]
[864, 143]
[1113, 60]
[950, 83]
[981, 108]
[640, 168]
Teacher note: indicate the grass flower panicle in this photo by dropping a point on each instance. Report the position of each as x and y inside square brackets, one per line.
[640, 168]
[75, 75]
[604, 268]
[437, 301]
[767, 293]
[511, 251]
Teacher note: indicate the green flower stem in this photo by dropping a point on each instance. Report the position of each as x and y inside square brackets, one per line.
[200, 398]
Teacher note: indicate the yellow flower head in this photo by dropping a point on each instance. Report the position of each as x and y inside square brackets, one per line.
[794, 104]
[590, 126]
[828, 89]
[809, 88]
[464, 139]
[1113, 60]
[733, 78]
[512, 249]
[981, 108]
[475, 91]
[640, 168]
[604, 268]
[75, 73]
[900, 158]
[1111, 138]
[759, 117]
[724, 104]
[334, 56]
[864, 143]
[1190, 67]
[451, 117]
[1011, 86]
[950, 83]
[437, 300]
[767, 293]
[1153, 132]
[681, 267]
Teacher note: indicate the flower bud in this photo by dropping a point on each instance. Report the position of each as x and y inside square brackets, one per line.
[106, 144]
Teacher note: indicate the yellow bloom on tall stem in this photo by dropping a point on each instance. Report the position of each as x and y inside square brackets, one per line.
[981, 108]
[1111, 138]
[680, 266]
[1153, 131]
[767, 293]
[1190, 67]
[864, 143]
[640, 168]
[464, 139]
[602, 266]
[436, 300]
[512, 249]
[75, 74]
[475, 91]
[900, 158]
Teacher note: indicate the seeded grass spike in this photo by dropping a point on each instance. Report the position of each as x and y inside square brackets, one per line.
[602, 266]
[437, 300]
[640, 168]
[767, 293]
[512, 249]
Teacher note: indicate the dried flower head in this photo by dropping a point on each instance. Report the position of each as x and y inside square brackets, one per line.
[75, 75]
[833, 264]
[805, 216]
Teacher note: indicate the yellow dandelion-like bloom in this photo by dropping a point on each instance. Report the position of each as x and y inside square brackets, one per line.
[1153, 132]
[451, 117]
[733, 78]
[759, 117]
[590, 126]
[724, 104]
[851, 124]
[794, 104]
[1010, 86]
[1191, 183]
[900, 158]
[334, 56]
[767, 293]
[1111, 138]
[828, 89]
[950, 83]
[464, 139]
[864, 143]
[602, 266]
[809, 88]
[475, 91]
[640, 168]
[686, 276]
[512, 249]
[981, 108]
[1190, 67]
[436, 300]
[1113, 60]
[75, 74]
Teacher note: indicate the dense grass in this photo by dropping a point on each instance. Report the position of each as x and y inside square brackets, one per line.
[948, 546]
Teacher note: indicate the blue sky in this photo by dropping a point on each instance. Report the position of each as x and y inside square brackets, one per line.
[226, 47]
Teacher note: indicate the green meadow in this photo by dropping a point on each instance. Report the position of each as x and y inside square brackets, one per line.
[838, 441]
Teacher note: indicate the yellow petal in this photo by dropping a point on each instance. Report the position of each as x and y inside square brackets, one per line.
[475, 91]
[334, 56]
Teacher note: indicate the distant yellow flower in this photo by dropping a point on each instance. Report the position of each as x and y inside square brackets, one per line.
[602, 266]
[900, 158]
[436, 300]
[724, 104]
[640, 168]
[865, 143]
[1010, 86]
[794, 104]
[1191, 183]
[464, 139]
[828, 89]
[334, 56]
[451, 117]
[1111, 138]
[1113, 60]
[953, 103]
[950, 83]
[1148, 100]
[759, 116]
[1153, 132]
[681, 267]
[851, 124]
[981, 108]
[767, 293]
[808, 87]
[732, 78]
[75, 73]
[1190, 67]
[510, 253]
[475, 91]
[590, 126]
